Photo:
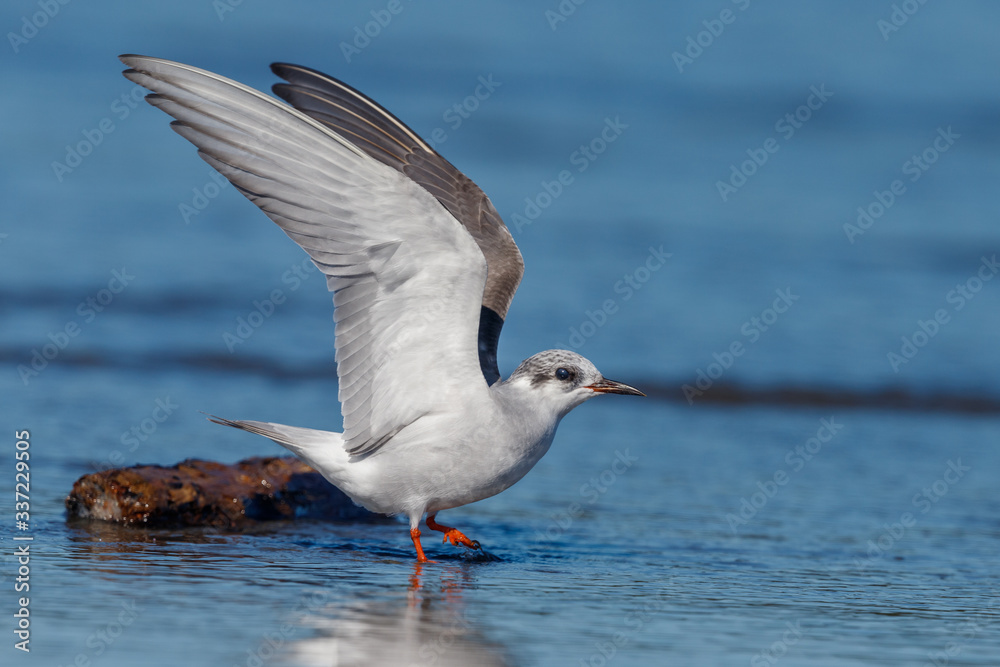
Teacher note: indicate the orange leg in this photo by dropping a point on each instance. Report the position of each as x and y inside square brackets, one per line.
[451, 534]
[415, 536]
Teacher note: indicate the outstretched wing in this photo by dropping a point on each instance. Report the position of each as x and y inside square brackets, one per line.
[407, 277]
[381, 135]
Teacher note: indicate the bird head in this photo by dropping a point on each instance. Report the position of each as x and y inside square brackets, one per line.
[564, 380]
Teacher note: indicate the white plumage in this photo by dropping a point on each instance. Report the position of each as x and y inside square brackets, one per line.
[422, 270]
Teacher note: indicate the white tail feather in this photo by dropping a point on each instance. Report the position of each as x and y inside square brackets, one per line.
[323, 450]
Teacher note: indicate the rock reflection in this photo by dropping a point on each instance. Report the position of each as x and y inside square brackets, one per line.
[427, 627]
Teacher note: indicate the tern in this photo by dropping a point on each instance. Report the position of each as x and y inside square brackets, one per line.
[422, 270]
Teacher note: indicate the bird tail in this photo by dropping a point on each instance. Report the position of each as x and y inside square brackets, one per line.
[322, 450]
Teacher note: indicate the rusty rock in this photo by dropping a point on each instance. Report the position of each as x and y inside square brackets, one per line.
[205, 493]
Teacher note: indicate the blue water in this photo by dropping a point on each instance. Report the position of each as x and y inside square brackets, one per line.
[822, 493]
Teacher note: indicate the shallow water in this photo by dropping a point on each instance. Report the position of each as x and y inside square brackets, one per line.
[646, 559]
[817, 504]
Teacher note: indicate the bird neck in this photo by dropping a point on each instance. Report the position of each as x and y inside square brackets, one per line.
[528, 425]
[517, 403]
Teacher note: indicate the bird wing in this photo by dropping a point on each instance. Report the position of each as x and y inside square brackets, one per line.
[381, 135]
[407, 278]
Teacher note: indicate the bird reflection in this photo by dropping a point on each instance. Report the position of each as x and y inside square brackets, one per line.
[428, 626]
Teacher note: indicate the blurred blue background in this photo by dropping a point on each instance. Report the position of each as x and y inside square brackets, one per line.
[748, 136]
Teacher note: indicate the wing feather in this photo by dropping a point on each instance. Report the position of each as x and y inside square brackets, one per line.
[374, 130]
[407, 277]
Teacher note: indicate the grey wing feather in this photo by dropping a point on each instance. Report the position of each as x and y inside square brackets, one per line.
[407, 277]
[383, 136]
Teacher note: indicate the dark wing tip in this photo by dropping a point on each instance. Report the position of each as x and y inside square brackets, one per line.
[294, 74]
[281, 68]
[218, 420]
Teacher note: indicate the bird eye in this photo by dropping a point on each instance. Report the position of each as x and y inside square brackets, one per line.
[562, 373]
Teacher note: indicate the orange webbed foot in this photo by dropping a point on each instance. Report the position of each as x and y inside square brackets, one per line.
[453, 535]
[456, 537]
